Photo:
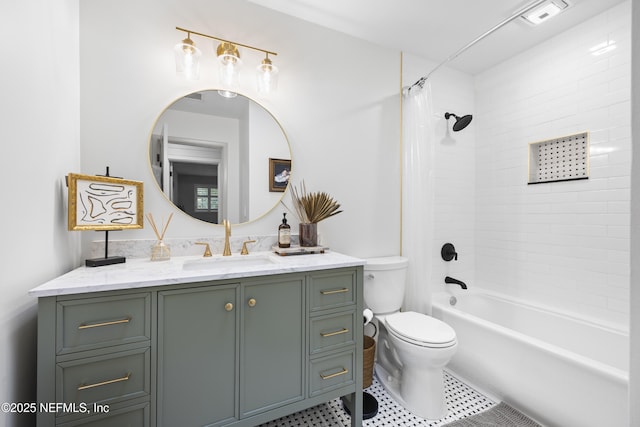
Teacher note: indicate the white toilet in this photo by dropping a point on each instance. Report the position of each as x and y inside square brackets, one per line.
[413, 348]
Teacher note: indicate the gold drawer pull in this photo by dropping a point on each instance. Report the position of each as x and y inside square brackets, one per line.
[337, 374]
[330, 334]
[335, 291]
[98, 325]
[117, 380]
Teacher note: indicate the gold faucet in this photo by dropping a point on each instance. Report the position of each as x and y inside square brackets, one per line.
[244, 250]
[207, 249]
[227, 233]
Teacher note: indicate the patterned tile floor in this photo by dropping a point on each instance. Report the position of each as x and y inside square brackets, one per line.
[462, 401]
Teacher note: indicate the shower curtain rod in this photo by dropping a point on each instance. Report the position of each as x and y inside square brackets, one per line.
[477, 39]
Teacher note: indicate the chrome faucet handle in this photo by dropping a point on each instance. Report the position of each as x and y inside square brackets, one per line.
[244, 250]
[207, 249]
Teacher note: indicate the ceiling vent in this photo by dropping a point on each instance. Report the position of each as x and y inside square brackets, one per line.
[545, 11]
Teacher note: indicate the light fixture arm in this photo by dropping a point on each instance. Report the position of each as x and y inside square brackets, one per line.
[268, 52]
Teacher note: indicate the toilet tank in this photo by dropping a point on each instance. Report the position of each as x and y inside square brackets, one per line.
[384, 283]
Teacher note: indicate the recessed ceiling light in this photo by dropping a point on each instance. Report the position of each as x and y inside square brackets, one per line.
[545, 11]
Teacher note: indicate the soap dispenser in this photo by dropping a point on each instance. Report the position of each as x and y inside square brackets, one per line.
[284, 233]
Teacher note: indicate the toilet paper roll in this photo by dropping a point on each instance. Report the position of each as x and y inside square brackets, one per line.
[368, 316]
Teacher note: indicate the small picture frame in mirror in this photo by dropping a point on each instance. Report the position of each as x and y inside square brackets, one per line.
[279, 173]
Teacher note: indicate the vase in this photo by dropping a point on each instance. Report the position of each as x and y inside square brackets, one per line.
[308, 234]
[160, 251]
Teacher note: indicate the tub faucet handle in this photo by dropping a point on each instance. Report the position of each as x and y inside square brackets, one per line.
[448, 252]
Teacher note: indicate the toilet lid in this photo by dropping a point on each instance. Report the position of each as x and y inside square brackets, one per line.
[420, 329]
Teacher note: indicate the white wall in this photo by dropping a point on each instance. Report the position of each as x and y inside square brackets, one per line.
[266, 137]
[565, 244]
[339, 107]
[634, 375]
[40, 134]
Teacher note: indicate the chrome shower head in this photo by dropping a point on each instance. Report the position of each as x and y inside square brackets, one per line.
[461, 122]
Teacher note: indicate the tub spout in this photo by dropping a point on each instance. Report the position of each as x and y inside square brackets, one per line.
[455, 282]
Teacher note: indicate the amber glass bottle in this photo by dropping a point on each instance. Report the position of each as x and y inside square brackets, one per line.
[284, 233]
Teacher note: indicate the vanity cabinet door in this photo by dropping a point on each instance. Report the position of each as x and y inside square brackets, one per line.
[197, 356]
[272, 344]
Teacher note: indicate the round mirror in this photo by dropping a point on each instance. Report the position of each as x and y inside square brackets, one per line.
[217, 157]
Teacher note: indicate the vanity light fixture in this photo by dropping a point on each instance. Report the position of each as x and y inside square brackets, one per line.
[187, 57]
[545, 11]
[267, 76]
[229, 56]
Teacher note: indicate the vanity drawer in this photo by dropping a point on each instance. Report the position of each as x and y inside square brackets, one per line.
[133, 416]
[330, 290]
[91, 323]
[331, 372]
[104, 379]
[332, 331]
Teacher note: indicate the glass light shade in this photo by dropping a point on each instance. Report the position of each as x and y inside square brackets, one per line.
[229, 73]
[187, 57]
[267, 74]
[227, 93]
[229, 58]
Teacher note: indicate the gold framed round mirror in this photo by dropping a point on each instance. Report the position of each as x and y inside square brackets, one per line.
[217, 157]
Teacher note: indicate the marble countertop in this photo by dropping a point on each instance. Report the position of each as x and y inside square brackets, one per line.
[141, 273]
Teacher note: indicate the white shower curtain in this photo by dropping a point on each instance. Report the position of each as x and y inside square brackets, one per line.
[418, 196]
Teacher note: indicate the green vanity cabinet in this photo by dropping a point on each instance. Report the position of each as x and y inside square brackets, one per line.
[228, 352]
[272, 350]
[197, 356]
[95, 359]
[335, 331]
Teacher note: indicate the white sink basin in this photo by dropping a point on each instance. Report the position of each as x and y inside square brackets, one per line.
[233, 261]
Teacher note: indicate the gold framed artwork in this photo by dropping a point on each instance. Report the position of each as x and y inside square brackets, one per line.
[104, 203]
[279, 173]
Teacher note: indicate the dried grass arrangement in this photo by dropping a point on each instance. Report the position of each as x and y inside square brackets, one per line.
[312, 207]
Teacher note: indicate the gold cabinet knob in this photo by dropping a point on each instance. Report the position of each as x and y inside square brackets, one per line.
[228, 306]
[252, 302]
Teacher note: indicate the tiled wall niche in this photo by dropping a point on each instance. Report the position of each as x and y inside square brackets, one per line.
[559, 159]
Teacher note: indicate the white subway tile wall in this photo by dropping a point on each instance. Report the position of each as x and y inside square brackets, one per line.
[565, 244]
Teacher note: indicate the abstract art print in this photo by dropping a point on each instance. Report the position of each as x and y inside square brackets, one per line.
[104, 203]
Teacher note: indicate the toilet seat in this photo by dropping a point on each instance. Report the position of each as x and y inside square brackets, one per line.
[420, 329]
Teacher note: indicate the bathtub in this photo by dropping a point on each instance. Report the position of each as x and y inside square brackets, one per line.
[560, 370]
